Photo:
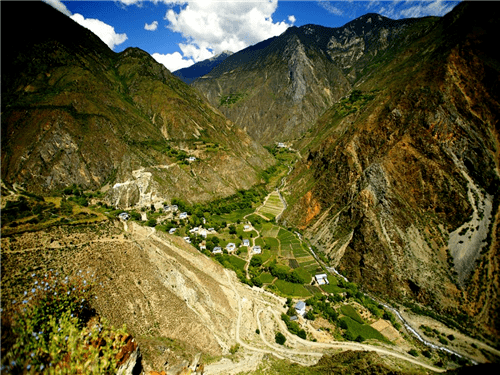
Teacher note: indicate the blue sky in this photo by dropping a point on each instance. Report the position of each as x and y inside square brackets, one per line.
[178, 33]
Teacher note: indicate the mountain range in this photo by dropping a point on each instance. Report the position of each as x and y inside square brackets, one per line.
[74, 112]
[393, 127]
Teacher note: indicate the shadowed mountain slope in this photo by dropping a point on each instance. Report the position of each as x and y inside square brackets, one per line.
[73, 111]
[189, 74]
[399, 183]
[277, 89]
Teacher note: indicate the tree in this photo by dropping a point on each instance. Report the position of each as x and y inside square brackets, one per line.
[279, 338]
[309, 315]
[256, 261]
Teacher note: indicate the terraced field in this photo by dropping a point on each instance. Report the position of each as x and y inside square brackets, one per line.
[272, 207]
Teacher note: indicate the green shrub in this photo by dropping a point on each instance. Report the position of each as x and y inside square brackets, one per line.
[50, 331]
[234, 348]
[279, 338]
[413, 352]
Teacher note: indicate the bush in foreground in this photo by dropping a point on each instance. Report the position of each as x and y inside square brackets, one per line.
[55, 330]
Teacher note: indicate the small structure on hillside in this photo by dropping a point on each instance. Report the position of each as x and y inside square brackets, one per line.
[257, 250]
[172, 230]
[230, 247]
[124, 216]
[203, 247]
[217, 250]
[203, 232]
[187, 239]
[183, 215]
[246, 242]
[300, 308]
[174, 208]
[191, 158]
[281, 145]
[322, 279]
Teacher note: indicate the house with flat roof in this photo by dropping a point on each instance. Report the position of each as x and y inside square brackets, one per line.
[300, 308]
[246, 242]
[124, 216]
[257, 250]
[321, 279]
[231, 247]
[183, 215]
[217, 250]
[172, 230]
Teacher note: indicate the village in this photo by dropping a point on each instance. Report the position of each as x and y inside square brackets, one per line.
[266, 255]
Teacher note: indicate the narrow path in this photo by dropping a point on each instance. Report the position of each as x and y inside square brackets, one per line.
[334, 345]
[348, 345]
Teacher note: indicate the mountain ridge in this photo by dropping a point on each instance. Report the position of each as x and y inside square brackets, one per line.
[276, 104]
[191, 73]
[74, 112]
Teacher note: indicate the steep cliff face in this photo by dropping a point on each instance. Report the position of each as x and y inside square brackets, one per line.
[75, 112]
[277, 89]
[400, 185]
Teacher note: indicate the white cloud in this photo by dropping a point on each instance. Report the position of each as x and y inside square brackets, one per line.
[104, 31]
[59, 6]
[412, 9]
[428, 8]
[292, 19]
[173, 61]
[152, 27]
[210, 26]
[330, 8]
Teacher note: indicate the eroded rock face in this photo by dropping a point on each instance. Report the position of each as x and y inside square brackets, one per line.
[399, 194]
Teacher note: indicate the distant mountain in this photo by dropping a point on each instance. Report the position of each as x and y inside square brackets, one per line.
[399, 184]
[276, 89]
[74, 112]
[201, 68]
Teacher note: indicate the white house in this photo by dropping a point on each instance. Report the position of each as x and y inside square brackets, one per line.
[246, 242]
[230, 247]
[174, 208]
[203, 247]
[187, 239]
[211, 230]
[281, 145]
[246, 227]
[172, 230]
[194, 230]
[203, 232]
[183, 215]
[217, 250]
[321, 279]
[166, 208]
[124, 216]
[257, 250]
[300, 308]
[191, 158]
